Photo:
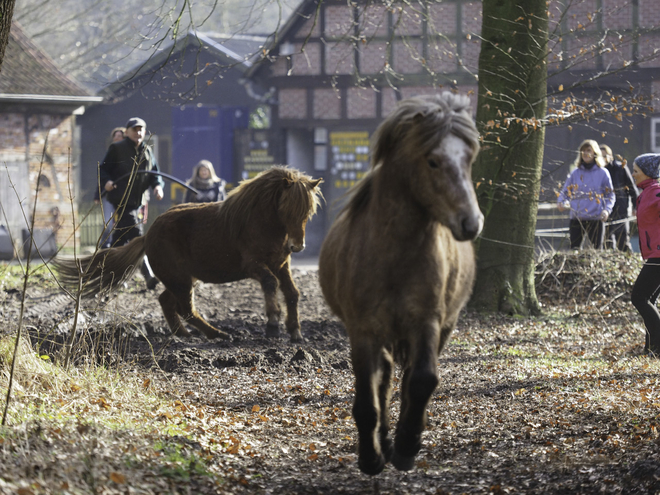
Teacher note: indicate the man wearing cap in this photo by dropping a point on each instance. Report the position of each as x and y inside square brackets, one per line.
[124, 187]
[646, 170]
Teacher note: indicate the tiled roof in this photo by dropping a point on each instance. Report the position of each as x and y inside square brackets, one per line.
[234, 50]
[27, 70]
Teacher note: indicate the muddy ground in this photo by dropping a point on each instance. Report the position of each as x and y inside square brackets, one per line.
[503, 420]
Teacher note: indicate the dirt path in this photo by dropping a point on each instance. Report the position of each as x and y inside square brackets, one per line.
[548, 405]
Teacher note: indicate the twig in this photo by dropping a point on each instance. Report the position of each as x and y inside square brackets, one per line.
[26, 277]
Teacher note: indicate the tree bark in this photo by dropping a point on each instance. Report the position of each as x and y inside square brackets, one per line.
[6, 14]
[511, 104]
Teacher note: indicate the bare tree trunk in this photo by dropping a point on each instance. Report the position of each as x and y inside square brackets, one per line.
[6, 14]
[512, 101]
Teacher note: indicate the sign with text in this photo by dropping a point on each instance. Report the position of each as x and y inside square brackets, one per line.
[349, 156]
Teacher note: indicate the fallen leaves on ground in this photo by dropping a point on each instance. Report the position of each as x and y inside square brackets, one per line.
[562, 403]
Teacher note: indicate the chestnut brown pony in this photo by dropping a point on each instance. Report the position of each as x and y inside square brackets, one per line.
[249, 235]
[397, 266]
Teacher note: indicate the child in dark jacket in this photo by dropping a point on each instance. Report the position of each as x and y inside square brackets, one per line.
[646, 170]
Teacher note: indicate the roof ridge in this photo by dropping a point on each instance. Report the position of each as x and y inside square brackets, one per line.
[25, 44]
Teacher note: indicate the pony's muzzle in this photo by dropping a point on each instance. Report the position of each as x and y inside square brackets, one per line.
[471, 226]
[296, 248]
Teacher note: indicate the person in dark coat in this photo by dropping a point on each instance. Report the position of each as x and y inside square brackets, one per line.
[617, 235]
[210, 188]
[124, 188]
[108, 209]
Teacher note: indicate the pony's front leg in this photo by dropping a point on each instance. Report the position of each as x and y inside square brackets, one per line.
[269, 285]
[291, 296]
[367, 362]
[419, 381]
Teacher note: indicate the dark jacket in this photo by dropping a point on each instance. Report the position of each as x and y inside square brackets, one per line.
[210, 195]
[119, 162]
[624, 188]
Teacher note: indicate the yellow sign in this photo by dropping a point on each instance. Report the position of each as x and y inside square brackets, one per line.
[350, 157]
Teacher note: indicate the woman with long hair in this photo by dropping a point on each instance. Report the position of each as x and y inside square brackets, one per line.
[589, 195]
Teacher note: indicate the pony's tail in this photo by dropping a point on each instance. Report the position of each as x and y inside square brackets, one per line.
[103, 271]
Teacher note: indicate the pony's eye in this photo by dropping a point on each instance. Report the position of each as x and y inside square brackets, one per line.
[433, 163]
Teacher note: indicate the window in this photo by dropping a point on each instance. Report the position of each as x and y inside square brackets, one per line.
[655, 134]
[320, 149]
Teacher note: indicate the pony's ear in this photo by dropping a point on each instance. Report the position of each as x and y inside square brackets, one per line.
[316, 183]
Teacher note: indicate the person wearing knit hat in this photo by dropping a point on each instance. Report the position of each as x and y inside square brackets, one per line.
[589, 195]
[646, 170]
[649, 163]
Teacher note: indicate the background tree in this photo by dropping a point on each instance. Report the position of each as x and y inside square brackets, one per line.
[510, 111]
[6, 14]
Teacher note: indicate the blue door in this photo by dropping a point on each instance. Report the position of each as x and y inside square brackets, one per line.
[205, 132]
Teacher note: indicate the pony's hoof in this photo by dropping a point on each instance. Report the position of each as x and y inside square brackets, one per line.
[182, 332]
[296, 337]
[373, 467]
[272, 331]
[387, 446]
[403, 463]
[218, 334]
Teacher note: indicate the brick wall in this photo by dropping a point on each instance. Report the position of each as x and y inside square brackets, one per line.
[406, 56]
[408, 20]
[280, 67]
[649, 13]
[54, 197]
[582, 15]
[327, 104]
[555, 14]
[361, 103]
[339, 58]
[312, 25]
[655, 95]
[442, 18]
[617, 14]
[470, 53]
[441, 56]
[373, 21]
[12, 134]
[649, 49]
[471, 28]
[410, 91]
[617, 51]
[307, 62]
[373, 56]
[387, 101]
[293, 103]
[472, 18]
[338, 21]
[579, 52]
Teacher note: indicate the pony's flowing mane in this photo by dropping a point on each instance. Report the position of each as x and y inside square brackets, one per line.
[279, 188]
[414, 128]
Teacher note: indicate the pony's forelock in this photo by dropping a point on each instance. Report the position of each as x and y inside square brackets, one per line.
[283, 188]
[421, 123]
[415, 127]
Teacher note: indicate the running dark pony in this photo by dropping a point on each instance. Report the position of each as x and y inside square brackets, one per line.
[397, 266]
[249, 235]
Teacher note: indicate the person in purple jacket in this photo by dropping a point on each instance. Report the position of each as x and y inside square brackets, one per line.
[589, 194]
[646, 170]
